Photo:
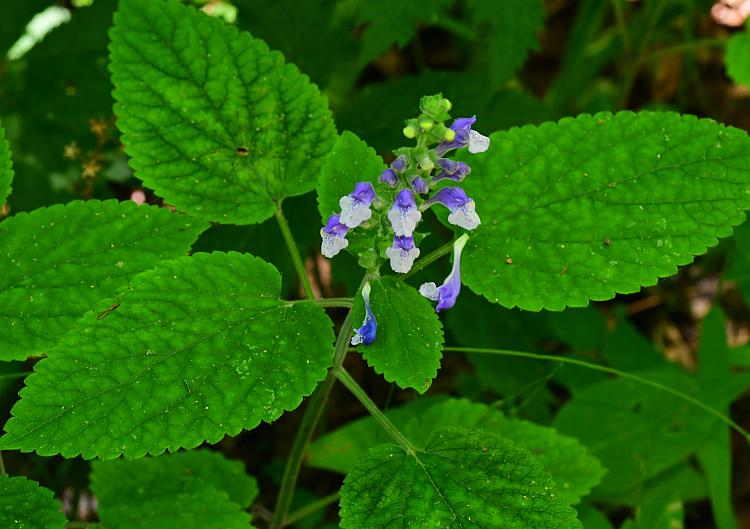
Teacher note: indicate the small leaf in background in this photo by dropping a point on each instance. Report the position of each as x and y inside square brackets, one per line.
[26, 505]
[592, 206]
[62, 260]
[199, 347]
[738, 58]
[216, 124]
[187, 490]
[513, 29]
[408, 347]
[462, 478]
[6, 169]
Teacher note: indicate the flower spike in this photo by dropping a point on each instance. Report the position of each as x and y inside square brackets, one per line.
[355, 207]
[463, 210]
[402, 254]
[446, 294]
[404, 214]
[367, 332]
[334, 236]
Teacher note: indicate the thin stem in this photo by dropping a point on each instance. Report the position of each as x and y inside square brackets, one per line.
[2, 466]
[612, 371]
[622, 27]
[688, 46]
[342, 303]
[309, 421]
[428, 260]
[378, 415]
[310, 508]
[11, 376]
[294, 252]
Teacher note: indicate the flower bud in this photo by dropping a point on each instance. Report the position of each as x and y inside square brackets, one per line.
[410, 131]
[426, 123]
[449, 135]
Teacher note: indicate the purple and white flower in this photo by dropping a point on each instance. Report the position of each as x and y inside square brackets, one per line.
[404, 214]
[452, 170]
[355, 207]
[465, 136]
[402, 254]
[367, 332]
[334, 236]
[446, 294]
[463, 210]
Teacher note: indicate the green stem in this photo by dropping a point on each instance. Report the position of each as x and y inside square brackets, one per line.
[342, 303]
[612, 371]
[309, 421]
[2, 466]
[11, 376]
[294, 252]
[717, 42]
[622, 27]
[428, 260]
[378, 415]
[310, 508]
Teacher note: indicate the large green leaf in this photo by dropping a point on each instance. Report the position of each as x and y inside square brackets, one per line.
[215, 123]
[409, 342]
[6, 168]
[58, 262]
[26, 505]
[187, 490]
[461, 479]
[512, 32]
[597, 205]
[199, 347]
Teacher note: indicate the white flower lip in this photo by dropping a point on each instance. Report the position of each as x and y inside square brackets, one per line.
[402, 260]
[404, 220]
[332, 244]
[478, 142]
[353, 211]
[465, 216]
[429, 290]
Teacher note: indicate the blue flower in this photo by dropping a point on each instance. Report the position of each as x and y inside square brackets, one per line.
[367, 332]
[419, 185]
[355, 207]
[464, 137]
[404, 214]
[452, 170]
[389, 177]
[463, 210]
[402, 254]
[399, 164]
[446, 294]
[334, 236]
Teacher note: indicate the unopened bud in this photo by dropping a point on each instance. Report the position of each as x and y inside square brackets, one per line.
[410, 132]
[447, 105]
[449, 135]
[426, 123]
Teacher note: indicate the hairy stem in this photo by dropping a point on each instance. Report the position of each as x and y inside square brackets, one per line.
[428, 260]
[612, 371]
[294, 252]
[311, 508]
[378, 415]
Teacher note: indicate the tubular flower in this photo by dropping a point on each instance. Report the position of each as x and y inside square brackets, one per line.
[355, 207]
[463, 210]
[367, 332]
[465, 137]
[404, 214]
[334, 236]
[452, 170]
[402, 254]
[446, 294]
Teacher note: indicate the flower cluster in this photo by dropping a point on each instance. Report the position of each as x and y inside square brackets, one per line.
[419, 178]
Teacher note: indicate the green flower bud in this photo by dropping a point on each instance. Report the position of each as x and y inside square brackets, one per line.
[447, 105]
[426, 123]
[410, 131]
[449, 135]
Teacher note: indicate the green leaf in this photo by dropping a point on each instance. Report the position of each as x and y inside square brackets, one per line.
[571, 466]
[409, 343]
[60, 261]
[187, 490]
[215, 123]
[6, 168]
[462, 478]
[199, 347]
[26, 505]
[737, 62]
[597, 205]
[350, 161]
[513, 28]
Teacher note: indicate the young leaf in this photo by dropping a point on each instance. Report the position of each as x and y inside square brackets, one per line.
[199, 347]
[350, 161]
[26, 505]
[6, 168]
[190, 490]
[462, 478]
[570, 465]
[514, 25]
[597, 205]
[409, 342]
[215, 123]
[58, 262]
